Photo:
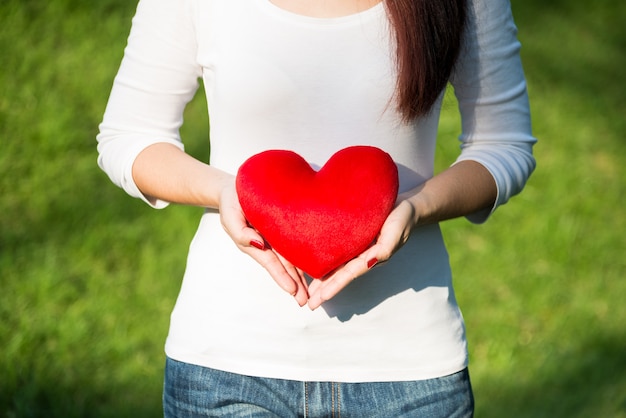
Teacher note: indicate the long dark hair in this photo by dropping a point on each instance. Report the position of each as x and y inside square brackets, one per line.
[428, 35]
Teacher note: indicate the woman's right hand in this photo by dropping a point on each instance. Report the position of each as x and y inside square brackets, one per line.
[249, 241]
[164, 171]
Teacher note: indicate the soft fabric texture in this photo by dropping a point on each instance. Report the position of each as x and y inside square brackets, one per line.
[277, 80]
[318, 220]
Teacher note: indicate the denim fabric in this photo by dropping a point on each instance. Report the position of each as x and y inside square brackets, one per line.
[193, 391]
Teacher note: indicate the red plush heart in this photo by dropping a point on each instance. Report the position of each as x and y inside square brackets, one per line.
[318, 220]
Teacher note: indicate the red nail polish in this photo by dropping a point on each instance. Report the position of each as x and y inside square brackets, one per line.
[257, 244]
[372, 263]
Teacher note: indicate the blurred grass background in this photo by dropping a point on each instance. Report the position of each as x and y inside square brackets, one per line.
[88, 276]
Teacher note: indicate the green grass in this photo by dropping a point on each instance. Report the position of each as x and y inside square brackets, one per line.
[88, 276]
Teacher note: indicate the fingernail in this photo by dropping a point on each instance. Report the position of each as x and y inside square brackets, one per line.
[257, 244]
[372, 263]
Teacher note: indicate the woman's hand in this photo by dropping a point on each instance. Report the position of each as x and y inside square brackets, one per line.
[248, 240]
[393, 234]
[163, 171]
[464, 188]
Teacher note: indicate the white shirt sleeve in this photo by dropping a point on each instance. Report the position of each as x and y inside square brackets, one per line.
[490, 87]
[158, 76]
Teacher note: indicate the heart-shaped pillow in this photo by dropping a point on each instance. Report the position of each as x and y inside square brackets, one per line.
[318, 220]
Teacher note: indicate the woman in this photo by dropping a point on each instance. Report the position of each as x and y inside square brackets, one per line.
[383, 335]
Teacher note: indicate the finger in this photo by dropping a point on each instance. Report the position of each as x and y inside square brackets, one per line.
[276, 269]
[252, 243]
[236, 225]
[314, 286]
[322, 291]
[302, 293]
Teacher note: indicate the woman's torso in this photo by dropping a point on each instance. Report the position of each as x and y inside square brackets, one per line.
[276, 79]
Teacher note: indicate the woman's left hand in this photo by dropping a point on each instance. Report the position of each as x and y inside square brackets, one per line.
[465, 187]
[393, 234]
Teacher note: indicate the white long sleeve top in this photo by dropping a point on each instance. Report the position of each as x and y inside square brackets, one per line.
[279, 80]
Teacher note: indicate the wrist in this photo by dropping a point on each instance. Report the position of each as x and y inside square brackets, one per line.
[422, 208]
[219, 184]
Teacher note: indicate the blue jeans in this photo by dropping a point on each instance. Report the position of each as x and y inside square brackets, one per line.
[195, 391]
